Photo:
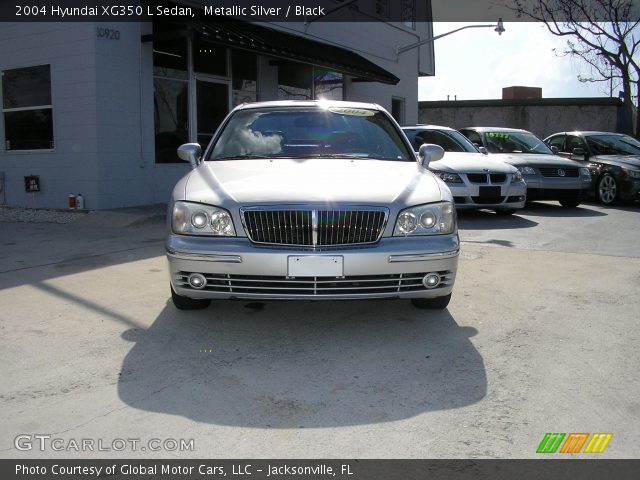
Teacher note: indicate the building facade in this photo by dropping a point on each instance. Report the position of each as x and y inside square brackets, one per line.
[99, 108]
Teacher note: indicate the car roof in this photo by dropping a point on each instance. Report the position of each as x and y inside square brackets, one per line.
[495, 129]
[309, 103]
[427, 127]
[587, 132]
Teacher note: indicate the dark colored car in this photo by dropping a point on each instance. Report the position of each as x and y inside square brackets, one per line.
[548, 176]
[612, 158]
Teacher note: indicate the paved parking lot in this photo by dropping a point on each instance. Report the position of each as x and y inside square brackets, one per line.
[541, 336]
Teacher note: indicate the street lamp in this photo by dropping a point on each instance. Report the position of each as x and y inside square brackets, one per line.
[498, 27]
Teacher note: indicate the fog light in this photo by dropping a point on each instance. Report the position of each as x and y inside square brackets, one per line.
[197, 281]
[431, 280]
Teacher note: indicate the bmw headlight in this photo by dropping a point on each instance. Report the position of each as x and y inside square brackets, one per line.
[431, 219]
[447, 177]
[633, 173]
[584, 172]
[199, 219]
[517, 177]
[527, 170]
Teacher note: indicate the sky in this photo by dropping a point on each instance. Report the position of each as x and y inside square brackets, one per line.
[477, 63]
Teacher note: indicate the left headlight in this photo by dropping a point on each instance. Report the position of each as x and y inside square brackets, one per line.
[199, 219]
[584, 171]
[431, 219]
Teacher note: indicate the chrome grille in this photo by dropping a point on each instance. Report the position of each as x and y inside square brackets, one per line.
[245, 285]
[314, 227]
[556, 172]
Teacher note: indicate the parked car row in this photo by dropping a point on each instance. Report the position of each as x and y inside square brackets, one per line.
[603, 165]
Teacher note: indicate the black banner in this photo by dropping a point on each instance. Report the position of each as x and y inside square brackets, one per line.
[309, 11]
[570, 469]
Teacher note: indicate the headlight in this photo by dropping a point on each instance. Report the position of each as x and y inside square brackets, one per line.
[584, 171]
[198, 219]
[432, 219]
[517, 176]
[633, 173]
[527, 170]
[447, 177]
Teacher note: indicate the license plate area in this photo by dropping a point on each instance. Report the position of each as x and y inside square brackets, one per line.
[489, 192]
[315, 266]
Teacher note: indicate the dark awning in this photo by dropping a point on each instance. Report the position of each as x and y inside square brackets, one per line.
[289, 47]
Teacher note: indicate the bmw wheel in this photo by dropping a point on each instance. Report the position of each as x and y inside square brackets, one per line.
[607, 189]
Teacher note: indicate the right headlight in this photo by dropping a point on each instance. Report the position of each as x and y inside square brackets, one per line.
[199, 219]
[448, 177]
[635, 174]
[517, 176]
[527, 170]
[431, 219]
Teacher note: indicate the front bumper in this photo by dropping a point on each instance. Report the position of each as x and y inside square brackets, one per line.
[467, 195]
[236, 268]
[539, 183]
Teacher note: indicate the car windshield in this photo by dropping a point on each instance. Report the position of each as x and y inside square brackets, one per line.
[307, 132]
[449, 140]
[515, 142]
[613, 145]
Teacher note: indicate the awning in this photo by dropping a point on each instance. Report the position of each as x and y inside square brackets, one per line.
[288, 47]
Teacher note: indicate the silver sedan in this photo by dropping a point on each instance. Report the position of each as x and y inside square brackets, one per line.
[475, 180]
[311, 200]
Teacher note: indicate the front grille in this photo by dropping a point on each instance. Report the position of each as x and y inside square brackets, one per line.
[477, 177]
[484, 177]
[314, 227]
[557, 172]
[328, 286]
[487, 200]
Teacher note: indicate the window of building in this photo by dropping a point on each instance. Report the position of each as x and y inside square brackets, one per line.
[397, 109]
[244, 71]
[408, 13]
[302, 82]
[295, 82]
[327, 84]
[27, 108]
[209, 58]
[170, 98]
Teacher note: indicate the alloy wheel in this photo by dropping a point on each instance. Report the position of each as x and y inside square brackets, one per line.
[607, 189]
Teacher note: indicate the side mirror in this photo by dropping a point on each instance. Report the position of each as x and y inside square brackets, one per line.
[429, 153]
[555, 150]
[579, 152]
[190, 152]
[483, 150]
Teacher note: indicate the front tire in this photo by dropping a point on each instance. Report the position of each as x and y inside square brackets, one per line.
[186, 303]
[607, 189]
[439, 303]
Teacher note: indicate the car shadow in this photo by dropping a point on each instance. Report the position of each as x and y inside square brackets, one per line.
[489, 220]
[301, 364]
[554, 209]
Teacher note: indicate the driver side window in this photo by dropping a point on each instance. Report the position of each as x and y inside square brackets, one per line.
[557, 142]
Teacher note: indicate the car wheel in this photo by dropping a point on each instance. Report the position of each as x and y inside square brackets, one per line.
[186, 303]
[506, 211]
[438, 303]
[607, 189]
[570, 202]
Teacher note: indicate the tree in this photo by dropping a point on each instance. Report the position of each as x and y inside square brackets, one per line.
[603, 33]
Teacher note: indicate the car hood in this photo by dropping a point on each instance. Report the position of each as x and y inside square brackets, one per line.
[471, 163]
[627, 161]
[532, 159]
[259, 182]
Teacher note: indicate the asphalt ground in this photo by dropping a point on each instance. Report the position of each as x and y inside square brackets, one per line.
[541, 336]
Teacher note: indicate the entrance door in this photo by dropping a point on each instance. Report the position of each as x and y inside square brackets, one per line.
[212, 105]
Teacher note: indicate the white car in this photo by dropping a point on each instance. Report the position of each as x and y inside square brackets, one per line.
[475, 180]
